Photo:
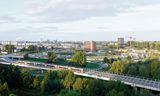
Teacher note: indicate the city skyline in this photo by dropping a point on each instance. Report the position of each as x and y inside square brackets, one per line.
[99, 20]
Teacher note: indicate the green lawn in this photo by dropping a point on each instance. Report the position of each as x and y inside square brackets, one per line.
[92, 66]
[37, 60]
[63, 62]
[89, 65]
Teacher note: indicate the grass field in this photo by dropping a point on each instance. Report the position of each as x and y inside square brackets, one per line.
[63, 62]
[89, 65]
[37, 60]
[92, 66]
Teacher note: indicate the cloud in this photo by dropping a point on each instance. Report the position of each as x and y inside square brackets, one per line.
[28, 33]
[80, 19]
[72, 10]
[8, 19]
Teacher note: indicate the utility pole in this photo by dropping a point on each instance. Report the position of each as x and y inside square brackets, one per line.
[130, 41]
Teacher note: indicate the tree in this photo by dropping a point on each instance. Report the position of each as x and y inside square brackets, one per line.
[62, 74]
[13, 76]
[43, 86]
[155, 66]
[69, 93]
[115, 93]
[32, 48]
[36, 83]
[26, 56]
[79, 58]
[118, 66]
[129, 58]
[4, 90]
[50, 83]
[69, 80]
[52, 57]
[9, 48]
[145, 93]
[12, 95]
[96, 88]
[44, 83]
[106, 60]
[78, 85]
[144, 71]
[53, 85]
[131, 70]
[27, 79]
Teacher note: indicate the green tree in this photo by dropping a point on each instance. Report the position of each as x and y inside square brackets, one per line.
[145, 93]
[27, 79]
[36, 83]
[53, 86]
[154, 68]
[32, 48]
[43, 86]
[26, 56]
[62, 74]
[96, 88]
[4, 90]
[129, 58]
[69, 93]
[115, 93]
[12, 95]
[13, 76]
[69, 81]
[144, 71]
[79, 58]
[52, 57]
[106, 60]
[9, 48]
[44, 83]
[118, 66]
[131, 70]
[50, 83]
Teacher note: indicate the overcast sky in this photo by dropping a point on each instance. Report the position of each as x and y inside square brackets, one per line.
[79, 19]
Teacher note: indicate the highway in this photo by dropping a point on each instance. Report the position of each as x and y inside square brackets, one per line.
[128, 80]
[131, 81]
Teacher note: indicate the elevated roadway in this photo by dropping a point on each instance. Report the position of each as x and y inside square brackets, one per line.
[128, 80]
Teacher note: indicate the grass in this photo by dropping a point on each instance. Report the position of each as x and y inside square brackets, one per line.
[92, 65]
[102, 57]
[89, 65]
[62, 62]
[37, 60]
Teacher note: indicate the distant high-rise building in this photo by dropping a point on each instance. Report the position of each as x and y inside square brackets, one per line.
[121, 41]
[90, 46]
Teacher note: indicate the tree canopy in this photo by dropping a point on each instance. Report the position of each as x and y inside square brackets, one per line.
[79, 58]
[52, 57]
[9, 48]
[63, 83]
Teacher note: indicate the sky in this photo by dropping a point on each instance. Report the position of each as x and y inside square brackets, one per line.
[99, 20]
